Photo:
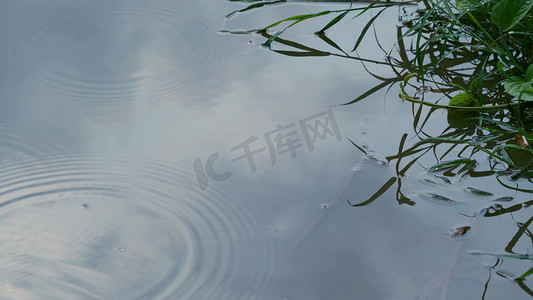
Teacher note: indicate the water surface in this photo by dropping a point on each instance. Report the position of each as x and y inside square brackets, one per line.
[123, 175]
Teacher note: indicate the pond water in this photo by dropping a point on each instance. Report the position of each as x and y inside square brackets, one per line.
[145, 155]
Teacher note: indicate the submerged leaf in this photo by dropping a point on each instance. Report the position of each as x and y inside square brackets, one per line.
[468, 167]
[440, 198]
[504, 199]
[478, 192]
[507, 255]
[450, 164]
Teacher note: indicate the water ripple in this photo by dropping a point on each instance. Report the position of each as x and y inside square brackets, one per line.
[108, 54]
[85, 227]
[24, 140]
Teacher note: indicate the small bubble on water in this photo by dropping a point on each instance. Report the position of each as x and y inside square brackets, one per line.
[356, 168]
[383, 163]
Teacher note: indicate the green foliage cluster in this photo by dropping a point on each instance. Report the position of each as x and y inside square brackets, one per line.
[498, 33]
[479, 55]
[495, 36]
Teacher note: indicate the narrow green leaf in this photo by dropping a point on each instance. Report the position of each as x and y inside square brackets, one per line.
[302, 53]
[365, 29]
[255, 5]
[377, 194]
[529, 73]
[505, 156]
[526, 274]
[527, 174]
[448, 165]
[298, 18]
[328, 41]
[333, 22]
[468, 167]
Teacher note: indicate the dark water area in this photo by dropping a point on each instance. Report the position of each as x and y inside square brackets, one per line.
[146, 155]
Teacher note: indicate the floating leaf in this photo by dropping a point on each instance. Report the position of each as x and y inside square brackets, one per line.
[459, 231]
[462, 99]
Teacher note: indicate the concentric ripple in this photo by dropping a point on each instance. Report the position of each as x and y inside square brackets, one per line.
[80, 227]
[104, 54]
[25, 140]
